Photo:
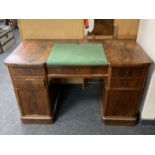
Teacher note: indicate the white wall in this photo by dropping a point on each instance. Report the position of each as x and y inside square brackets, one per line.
[146, 38]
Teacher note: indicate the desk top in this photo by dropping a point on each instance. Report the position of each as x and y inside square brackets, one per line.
[118, 52]
[89, 54]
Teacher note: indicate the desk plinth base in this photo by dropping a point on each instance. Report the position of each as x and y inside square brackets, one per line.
[128, 121]
[38, 120]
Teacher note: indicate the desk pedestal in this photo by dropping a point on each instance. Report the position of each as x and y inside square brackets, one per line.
[121, 96]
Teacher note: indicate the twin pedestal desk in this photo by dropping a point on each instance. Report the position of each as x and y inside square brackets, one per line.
[36, 72]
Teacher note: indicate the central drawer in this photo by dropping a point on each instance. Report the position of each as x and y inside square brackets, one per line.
[78, 70]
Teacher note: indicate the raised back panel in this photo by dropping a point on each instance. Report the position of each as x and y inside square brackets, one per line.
[51, 28]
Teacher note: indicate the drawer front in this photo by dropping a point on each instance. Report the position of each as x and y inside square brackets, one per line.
[6, 37]
[126, 83]
[29, 83]
[8, 44]
[27, 71]
[128, 71]
[78, 70]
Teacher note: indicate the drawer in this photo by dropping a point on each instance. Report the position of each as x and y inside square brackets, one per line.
[8, 45]
[128, 71]
[27, 71]
[29, 83]
[126, 83]
[78, 70]
[6, 37]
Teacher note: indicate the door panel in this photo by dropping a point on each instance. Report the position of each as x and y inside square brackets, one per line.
[34, 102]
[122, 103]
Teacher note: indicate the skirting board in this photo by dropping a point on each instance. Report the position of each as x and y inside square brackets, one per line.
[147, 122]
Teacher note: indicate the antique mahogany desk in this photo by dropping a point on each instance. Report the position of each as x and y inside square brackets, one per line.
[36, 84]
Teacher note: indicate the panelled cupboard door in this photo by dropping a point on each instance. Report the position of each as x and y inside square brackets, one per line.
[33, 102]
[122, 103]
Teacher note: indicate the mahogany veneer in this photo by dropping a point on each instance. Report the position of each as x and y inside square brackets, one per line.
[37, 89]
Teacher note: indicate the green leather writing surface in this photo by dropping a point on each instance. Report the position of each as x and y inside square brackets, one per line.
[77, 54]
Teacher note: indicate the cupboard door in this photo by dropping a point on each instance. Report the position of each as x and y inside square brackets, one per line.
[33, 102]
[122, 102]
